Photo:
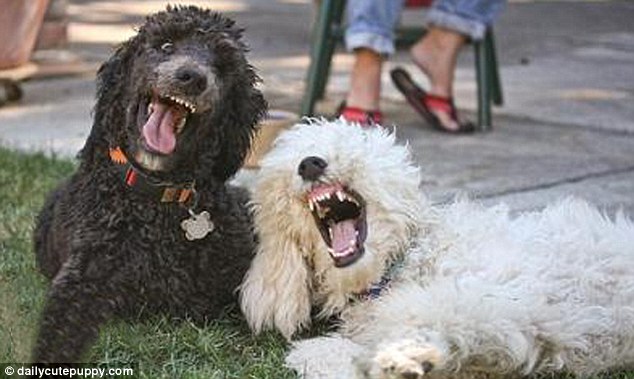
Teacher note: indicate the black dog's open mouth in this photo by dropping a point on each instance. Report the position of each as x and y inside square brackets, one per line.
[339, 214]
[161, 120]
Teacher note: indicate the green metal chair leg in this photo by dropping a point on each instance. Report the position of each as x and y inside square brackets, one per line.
[484, 95]
[318, 57]
[494, 72]
[335, 34]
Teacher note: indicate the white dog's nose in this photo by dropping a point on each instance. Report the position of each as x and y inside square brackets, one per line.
[311, 168]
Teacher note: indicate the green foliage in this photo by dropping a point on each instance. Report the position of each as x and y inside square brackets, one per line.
[24, 182]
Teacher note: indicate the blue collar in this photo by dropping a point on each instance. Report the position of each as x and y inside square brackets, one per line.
[376, 289]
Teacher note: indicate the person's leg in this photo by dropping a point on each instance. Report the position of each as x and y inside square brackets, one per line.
[365, 80]
[370, 35]
[436, 55]
[467, 17]
[450, 24]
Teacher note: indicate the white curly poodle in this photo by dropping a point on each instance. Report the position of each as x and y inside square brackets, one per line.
[453, 291]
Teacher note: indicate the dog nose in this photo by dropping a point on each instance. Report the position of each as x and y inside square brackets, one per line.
[193, 81]
[311, 168]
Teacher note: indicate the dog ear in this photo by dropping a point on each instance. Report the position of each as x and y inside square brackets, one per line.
[276, 290]
[245, 107]
[110, 107]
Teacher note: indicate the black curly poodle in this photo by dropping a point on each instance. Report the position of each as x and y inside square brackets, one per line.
[148, 224]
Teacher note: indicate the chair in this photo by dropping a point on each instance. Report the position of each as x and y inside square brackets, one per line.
[329, 30]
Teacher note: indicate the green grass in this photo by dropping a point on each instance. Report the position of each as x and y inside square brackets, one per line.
[156, 348]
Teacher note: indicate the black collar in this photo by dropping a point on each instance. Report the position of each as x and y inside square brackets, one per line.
[181, 193]
[377, 289]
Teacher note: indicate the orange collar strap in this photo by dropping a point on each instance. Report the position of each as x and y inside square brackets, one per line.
[140, 182]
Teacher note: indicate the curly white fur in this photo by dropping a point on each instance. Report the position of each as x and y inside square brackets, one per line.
[480, 293]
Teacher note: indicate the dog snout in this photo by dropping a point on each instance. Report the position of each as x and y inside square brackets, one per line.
[311, 168]
[184, 76]
[193, 81]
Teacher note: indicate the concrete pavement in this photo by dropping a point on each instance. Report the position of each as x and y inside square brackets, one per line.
[567, 127]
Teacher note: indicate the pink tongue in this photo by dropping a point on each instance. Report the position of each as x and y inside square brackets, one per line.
[342, 233]
[158, 131]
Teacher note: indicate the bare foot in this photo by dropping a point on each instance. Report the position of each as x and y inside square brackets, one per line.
[435, 54]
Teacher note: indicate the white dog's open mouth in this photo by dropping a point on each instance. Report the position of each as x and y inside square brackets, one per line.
[339, 214]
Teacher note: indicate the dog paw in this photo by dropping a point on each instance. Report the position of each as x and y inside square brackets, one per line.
[405, 359]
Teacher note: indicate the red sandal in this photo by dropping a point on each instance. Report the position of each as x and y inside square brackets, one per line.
[424, 103]
[363, 117]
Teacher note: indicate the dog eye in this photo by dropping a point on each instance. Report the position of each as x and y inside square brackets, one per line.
[167, 47]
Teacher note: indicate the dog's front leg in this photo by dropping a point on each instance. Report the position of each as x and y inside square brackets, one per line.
[75, 308]
[465, 348]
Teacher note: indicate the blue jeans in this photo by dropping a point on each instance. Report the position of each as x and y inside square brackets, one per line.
[371, 23]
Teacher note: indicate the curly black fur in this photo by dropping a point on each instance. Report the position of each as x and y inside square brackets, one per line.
[112, 251]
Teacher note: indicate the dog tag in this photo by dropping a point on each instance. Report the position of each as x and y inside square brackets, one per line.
[197, 226]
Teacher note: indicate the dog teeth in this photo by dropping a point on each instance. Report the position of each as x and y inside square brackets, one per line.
[344, 253]
[343, 196]
[190, 107]
[149, 161]
[316, 200]
[181, 125]
[150, 109]
[322, 197]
